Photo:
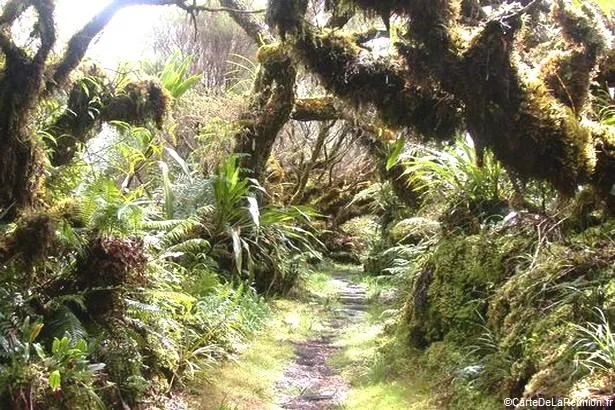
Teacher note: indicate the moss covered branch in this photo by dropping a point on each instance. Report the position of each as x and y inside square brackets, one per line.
[91, 102]
[315, 109]
[445, 84]
[354, 75]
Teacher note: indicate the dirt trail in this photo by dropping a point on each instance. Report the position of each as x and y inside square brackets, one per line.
[308, 382]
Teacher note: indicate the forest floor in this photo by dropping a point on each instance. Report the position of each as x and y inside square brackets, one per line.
[321, 350]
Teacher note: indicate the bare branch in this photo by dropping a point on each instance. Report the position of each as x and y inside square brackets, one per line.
[256, 29]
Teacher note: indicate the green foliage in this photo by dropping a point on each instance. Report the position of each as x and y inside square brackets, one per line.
[605, 105]
[506, 303]
[456, 172]
[104, 208]
[175, 76]
[29, 373]
[243, 75]
[246, 239]
[395, 153]
[596, 347]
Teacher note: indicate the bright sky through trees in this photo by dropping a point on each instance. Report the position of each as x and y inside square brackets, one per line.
[126, 38]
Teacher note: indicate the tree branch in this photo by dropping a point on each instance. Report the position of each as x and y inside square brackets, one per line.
[254, 27]
[11, 12]
[46, 28]
[192, 8]
[80, 42]
[315, 109]
[355, 76]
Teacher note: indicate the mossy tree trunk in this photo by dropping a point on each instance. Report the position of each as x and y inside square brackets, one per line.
[270, 107]
[27, 77]
[20, 82]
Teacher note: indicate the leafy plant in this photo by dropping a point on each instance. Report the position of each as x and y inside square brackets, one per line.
[455, 171]
[175, 76]
[596, 347]
[243, 74]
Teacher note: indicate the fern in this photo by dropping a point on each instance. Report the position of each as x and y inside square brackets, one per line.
[191, 246]
[182, 231]
[63, 322]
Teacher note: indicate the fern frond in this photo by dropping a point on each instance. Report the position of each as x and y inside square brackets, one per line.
[64, 323]
[192, 246]
[183, 231]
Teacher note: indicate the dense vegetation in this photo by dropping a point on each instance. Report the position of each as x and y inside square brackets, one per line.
[462, 152]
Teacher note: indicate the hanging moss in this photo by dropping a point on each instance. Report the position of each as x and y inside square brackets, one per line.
[433, 22]
[31, 241]
[92, 101]
[567, 75]
[110, 267]
[583, 25]
[606, 70]
[138, 104]
[526, 128]
[79, 121]
[286, 15]
[359, 79]
[380, 8]
[430, 42]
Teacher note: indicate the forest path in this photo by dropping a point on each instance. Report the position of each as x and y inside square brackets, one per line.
[320, 350]
[309, 382]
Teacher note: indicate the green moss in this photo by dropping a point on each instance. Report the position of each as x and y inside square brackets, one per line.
[583, 25]
[604, 175]
[567, 75]
[525, 126]
[271, 52]
[414, 230]
[315, 109]
[465, 271]
[138, 104]
[443, 359]
[361, 80]
[489, 302]
[533, 313]
[31, 241]
[286, 15]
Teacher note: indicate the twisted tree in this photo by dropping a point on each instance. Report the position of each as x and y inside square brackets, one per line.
[446, 76]
[456, 66]
[28, 77]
